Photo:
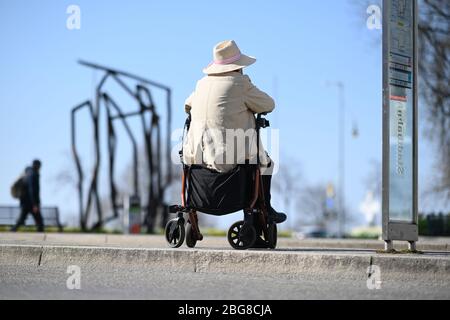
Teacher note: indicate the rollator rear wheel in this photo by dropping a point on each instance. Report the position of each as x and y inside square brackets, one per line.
[191, 241]
[175, 233]
[239, 238]
[272, 234]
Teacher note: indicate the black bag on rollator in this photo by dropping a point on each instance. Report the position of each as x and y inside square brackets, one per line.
[219, 193]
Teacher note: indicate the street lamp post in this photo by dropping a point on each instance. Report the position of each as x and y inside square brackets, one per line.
[341, 156]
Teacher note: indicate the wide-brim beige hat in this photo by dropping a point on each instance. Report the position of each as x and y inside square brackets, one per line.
[227, 57]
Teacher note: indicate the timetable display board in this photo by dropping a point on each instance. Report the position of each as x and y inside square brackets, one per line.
[400, 120]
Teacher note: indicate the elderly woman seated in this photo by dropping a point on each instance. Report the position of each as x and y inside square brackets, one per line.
[222, 107]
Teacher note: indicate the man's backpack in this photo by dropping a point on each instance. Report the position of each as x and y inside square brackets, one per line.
[17, 189]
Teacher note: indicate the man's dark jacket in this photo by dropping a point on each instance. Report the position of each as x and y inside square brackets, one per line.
[30, 195]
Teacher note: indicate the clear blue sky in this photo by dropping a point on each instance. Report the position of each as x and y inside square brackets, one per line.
[301, 44]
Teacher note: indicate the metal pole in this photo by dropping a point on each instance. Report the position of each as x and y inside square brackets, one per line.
[341, 160]
[385, 128]
[412, 245]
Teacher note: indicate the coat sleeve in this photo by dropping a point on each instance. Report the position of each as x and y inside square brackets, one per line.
[255, 99]
[188, 103]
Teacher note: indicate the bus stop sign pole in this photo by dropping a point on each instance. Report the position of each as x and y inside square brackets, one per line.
[400, 156]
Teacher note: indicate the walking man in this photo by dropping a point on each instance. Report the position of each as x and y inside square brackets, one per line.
[30, 201]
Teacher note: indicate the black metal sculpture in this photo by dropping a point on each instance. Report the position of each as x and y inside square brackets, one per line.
[153, 148]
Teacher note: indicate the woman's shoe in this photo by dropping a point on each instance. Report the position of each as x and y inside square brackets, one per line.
[277, 217]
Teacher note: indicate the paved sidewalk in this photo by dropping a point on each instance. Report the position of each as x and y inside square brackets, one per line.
[340, 258]
[157, 241]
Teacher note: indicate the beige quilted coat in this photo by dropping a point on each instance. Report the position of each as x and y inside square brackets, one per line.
[219, 105]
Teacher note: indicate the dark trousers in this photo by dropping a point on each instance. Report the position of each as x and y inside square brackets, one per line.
[267, 180]
[23, 216]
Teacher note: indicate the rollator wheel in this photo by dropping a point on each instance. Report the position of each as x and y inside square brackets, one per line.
[191, 241]
[175, 233]
[241, 239]
[272, 234]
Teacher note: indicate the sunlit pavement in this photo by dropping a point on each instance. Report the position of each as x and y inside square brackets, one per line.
[143, 267]
[157, 241]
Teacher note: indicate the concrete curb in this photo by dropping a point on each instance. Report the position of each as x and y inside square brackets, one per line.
[313, 264]
[155, 241]
[372, 245]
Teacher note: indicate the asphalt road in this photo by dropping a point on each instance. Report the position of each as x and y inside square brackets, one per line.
[104, 282]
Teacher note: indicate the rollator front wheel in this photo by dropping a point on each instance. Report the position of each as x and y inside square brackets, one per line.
[191, 240]
[272, 235]
[240, 237]
[175, 233]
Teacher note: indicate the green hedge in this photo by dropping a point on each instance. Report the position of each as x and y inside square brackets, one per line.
[436, 225]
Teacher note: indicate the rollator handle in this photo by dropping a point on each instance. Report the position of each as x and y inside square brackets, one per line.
[262, 122]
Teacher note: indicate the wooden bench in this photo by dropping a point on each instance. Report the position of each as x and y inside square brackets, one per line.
[10, 214]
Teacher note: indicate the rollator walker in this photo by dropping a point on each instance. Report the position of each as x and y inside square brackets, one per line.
[211, 192]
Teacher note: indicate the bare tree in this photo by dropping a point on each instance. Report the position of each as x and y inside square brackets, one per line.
[312, 203]
[434, 79]
[434, 71]
[371, 205]
[317, 206]
[286, 185]
[372, 181]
